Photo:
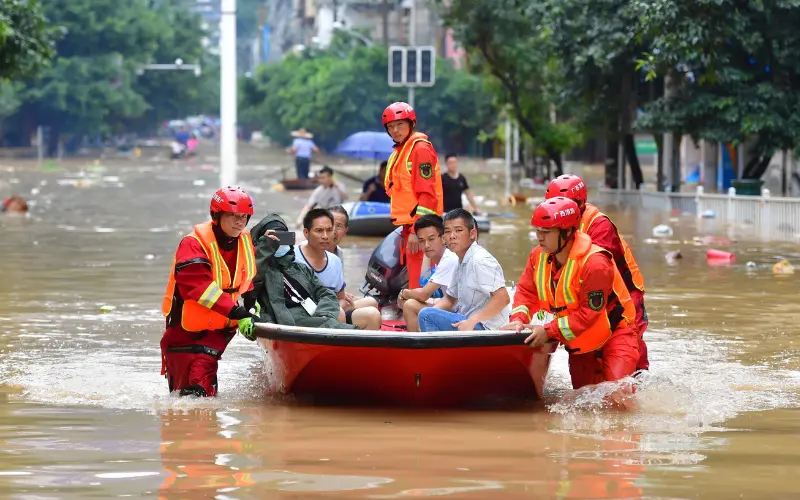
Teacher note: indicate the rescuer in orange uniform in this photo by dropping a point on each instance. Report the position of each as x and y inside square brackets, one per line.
[213, 266]
[606, 235]
[576, 281]
[413, 182]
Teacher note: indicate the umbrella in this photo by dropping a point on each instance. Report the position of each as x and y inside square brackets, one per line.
[367, 145]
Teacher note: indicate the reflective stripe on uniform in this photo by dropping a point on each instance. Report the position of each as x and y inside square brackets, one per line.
[566, 331]
[210, 296]
[522, 309]
[218, 264]
[542, 278]
[425, 211]
[566, 282]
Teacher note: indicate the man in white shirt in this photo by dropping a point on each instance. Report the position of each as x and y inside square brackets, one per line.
[318, 230]
[477, 298]
[341, 223]
[328, 194]
[430, 232]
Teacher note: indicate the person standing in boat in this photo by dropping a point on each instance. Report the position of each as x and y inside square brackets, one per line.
[302, 148]
[413, 182]
[605, 234]
[328, 194]
[477, 298]
[569, 276]
[430, 231]
[454, 184]
[289, 293]
[213, 266]
[318, 230]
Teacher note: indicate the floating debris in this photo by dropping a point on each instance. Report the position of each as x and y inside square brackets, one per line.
[662, 231]
[719, 257]
[783, 267]
[673, 256]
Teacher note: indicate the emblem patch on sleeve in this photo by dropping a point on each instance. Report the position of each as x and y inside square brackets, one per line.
[596, 300]
[426, 170]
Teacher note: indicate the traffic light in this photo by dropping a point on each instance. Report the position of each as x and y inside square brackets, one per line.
[396, 60]
[427, 63]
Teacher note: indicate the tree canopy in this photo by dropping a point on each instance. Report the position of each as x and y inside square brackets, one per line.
[26, 38]
[733, 77]
[94, 83]
[343, 90]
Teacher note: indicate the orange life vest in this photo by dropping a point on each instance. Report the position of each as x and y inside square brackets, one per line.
[399, 185]
[566, 295]
[632, 276]
[197, 316]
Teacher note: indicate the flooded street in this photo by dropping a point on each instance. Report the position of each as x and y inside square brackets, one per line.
[84, 412]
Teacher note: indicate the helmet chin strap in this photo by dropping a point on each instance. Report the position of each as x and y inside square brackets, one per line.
[563, 241]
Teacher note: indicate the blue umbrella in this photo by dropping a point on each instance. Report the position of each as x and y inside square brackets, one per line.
[367, 145]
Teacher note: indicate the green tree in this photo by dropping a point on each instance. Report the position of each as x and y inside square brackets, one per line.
[26, 38]
[507, 40]
[93, 86]
[343, 90]
[734, 69]
[594, 47]
[171, 94]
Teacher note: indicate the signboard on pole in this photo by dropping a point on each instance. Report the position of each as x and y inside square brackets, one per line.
[412, 66]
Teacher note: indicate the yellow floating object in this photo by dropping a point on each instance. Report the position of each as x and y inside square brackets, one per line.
[783, 267]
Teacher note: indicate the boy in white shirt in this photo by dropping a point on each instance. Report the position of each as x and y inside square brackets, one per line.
[430, 231]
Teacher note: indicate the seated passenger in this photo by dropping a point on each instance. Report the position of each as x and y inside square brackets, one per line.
[430, 231]
[341, 222]
[318, 230]
[477, 298]
[289, 293]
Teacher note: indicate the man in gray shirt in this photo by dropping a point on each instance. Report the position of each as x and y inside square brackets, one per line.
[477, 298]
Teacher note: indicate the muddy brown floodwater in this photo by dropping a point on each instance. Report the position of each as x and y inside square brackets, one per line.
[85, 414]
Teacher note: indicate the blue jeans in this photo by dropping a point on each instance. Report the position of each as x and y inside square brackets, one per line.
[438, 320]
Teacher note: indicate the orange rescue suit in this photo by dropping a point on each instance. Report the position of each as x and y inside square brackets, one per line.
[536, 291]
[632, 275]
[197, 316]
[403, 181]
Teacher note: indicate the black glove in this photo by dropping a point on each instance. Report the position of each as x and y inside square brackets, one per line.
[239, 312]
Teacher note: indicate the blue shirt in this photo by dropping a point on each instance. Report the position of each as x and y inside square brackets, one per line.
[331, 276]
[379, 194]
[304, 147]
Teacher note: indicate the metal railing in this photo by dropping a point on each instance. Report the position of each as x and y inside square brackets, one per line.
[761, 216]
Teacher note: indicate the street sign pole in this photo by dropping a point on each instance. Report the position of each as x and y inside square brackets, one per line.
[412, 32]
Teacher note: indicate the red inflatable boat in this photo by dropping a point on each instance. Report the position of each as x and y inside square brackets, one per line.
[396, 367]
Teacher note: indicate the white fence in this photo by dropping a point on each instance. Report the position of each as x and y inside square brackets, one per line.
[761, 217]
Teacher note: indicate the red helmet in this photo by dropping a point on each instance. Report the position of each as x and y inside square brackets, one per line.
[233, 200]
[558, 212]
[570, 186]
[399, 111]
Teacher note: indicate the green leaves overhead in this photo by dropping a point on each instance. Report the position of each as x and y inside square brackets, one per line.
[343, 90]
[92, 85]
[26, 38]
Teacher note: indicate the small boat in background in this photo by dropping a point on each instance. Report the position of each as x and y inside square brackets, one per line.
[300, 184]
[370, 218]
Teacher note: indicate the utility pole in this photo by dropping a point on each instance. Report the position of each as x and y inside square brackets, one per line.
[228, 98]
[412, 32]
